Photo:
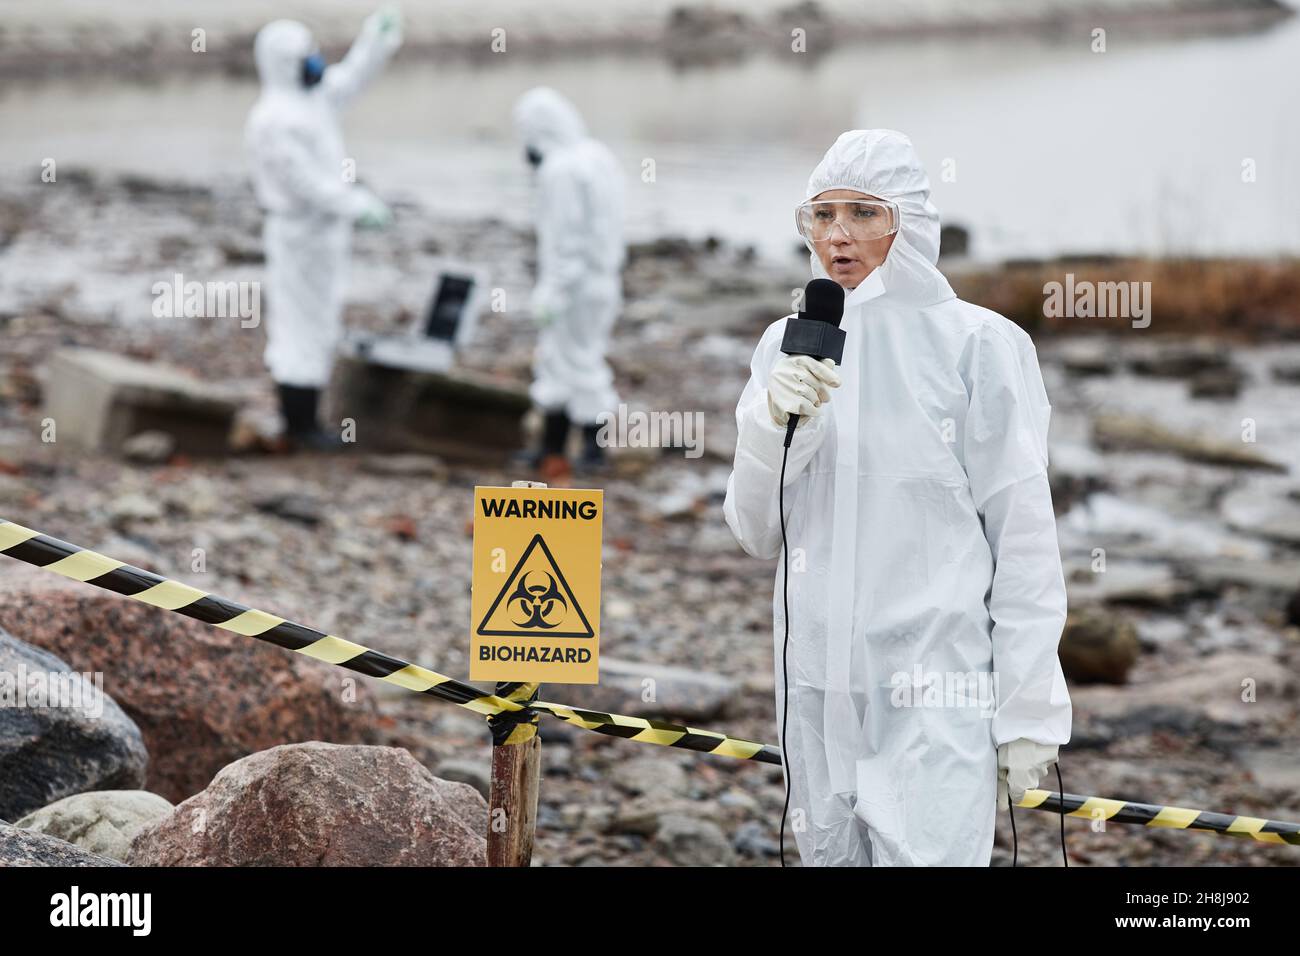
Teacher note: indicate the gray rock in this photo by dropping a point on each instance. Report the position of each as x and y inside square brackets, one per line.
[102, 821]
[597, 817]
[755, 839]
[1087, 357]
[1098, 646]
[478, 774]
[735, 799]
[134, 507]
[1181, 360]
[19, 847]
[677, 506]
[1187, 723]
[98, 400]
[300, 509]
[1140, 583]
[1217, 383]
[1207, 692]
[1132, 433]
[240, 250]
[1155, 632]
[954, 240]
[715, 538]
[1277, 768]
[1280, 576]
[671, 691]
[1288, 372]
[1272, 516]
[149, 447]
[650, 774]
[688, 841]
[51, 752]
[644, 815]
[696, 35]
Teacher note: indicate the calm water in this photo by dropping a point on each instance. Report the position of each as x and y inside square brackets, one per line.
[1054, 148]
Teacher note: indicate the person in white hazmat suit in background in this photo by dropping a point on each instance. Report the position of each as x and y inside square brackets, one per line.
[310, 203]
[928, 600]
[579, 289]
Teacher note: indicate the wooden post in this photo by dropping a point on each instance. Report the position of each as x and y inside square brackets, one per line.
[516, 775]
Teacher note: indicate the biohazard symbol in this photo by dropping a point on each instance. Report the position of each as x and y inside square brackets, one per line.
[536, 600]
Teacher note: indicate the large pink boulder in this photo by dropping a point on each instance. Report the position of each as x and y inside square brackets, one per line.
[202, 697]
[319, 804]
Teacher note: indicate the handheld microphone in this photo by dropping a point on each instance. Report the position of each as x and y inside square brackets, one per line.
[816, 332]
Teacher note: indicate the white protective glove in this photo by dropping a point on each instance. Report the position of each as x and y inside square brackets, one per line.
[1021, 764]
[374, 214]
[800, 385]
[386, 22]
[543, 306]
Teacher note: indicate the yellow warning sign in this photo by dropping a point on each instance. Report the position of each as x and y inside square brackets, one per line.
[535, 610]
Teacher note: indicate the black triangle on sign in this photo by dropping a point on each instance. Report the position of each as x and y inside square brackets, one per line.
[537, 541]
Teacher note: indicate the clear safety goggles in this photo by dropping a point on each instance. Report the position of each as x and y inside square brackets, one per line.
[856, 218]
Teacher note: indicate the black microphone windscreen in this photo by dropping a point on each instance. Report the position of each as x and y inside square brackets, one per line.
[816, 331]
[823, 300]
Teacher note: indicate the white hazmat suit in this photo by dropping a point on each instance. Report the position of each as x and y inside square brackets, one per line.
[919, 511]
[580, 253]
[310, 202]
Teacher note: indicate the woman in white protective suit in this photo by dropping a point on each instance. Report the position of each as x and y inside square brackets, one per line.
[580, 253]
[928, 601]
[310, 203]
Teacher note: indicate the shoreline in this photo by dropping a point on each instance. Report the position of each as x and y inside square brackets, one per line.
[85, 40]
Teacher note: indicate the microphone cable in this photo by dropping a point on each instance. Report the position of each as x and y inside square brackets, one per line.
[1060, 789]
[1015, 843]
[785, 645]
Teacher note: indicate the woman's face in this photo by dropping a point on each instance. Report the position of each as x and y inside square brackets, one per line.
[849, 261]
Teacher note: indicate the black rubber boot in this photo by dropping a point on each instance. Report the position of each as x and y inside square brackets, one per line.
[299, 407]
[555, 435]
[592, 460]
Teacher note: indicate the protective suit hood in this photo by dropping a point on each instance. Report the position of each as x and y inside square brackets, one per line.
[884, 164]
[279, 51]
[547, 121]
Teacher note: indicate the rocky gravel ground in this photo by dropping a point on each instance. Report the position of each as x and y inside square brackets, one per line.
[1201, 554]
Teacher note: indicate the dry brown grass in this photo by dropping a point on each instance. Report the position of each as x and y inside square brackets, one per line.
[1250, 298]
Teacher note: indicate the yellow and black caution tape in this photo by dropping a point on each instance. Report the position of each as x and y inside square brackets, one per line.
[515, 727]
[91, 567]
[511, 711]
[1156, 815]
